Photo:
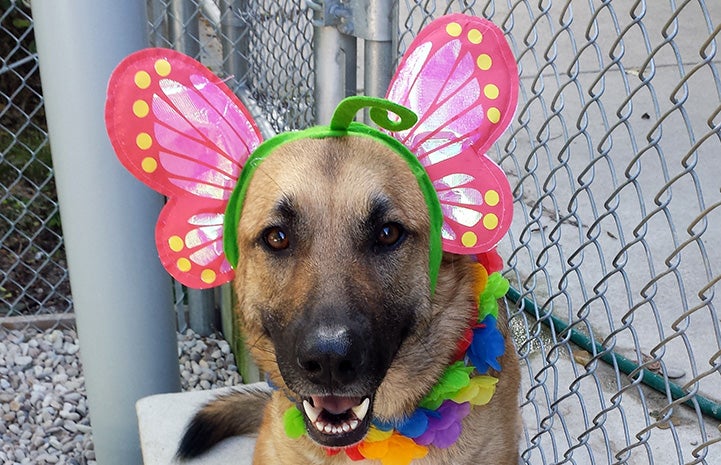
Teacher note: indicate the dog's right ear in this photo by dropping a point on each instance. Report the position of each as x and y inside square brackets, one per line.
[234, 414]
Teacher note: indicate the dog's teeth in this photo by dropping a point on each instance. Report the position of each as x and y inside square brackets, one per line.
[362, 409]
[344, 427]
[311, 411]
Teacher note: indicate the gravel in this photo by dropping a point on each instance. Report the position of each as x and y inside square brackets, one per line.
[43, 408]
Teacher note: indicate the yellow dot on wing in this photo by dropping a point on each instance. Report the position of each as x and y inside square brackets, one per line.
[491, 198]
[208, 276]
[144, 141]
[475, 36]
[149, 165]
[469, 239]
[490, 221]
[484, 62]
[141, 108]
[162, 67]
[491, 91]
[453, 29]
[142, 79]
[176, 243]
[183, 264]
[494, 115]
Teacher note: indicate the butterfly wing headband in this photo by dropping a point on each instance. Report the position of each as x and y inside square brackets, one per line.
[179, 129]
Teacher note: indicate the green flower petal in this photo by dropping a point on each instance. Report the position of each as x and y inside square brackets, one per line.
[455, 378]
[293, 423]
[496, 288]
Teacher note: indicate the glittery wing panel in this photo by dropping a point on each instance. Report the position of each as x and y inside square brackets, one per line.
[180, 130]
[459, 75]
[176, 126]
[476, 203]
[189, 238]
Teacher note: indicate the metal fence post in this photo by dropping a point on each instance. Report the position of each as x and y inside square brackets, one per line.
[337, 25]
[379, 57]
[235, 39]
[184, 35]
[335, 65]
[121, 294]
[183, 27]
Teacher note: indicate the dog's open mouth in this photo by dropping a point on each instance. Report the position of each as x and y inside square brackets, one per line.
[336, 421]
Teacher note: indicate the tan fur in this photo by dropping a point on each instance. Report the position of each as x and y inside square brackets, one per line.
[331, 181]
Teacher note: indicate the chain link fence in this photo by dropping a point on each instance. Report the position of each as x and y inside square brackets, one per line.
[615, 250]
[34, 286]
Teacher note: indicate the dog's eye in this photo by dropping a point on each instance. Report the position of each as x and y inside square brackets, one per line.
[390, 234]
[276, 239]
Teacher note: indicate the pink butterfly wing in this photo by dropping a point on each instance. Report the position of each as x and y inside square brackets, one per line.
[459, 75]
[189, 238]
[179, 129]
[476, 204]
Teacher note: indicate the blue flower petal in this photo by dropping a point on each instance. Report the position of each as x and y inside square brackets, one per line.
[416, 425]
[487, 346]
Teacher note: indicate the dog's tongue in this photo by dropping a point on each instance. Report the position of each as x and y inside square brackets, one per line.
[335, 405]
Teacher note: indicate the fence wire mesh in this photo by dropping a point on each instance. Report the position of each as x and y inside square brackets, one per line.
[613, 160]
[615, 247]
[34, 286]
[263, 49]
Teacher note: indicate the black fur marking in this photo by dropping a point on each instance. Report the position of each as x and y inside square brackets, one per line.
[230, 415]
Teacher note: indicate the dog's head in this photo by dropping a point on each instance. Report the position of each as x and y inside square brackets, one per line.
[333, 282]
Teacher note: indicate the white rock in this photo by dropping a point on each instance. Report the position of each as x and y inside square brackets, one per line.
[23, 361]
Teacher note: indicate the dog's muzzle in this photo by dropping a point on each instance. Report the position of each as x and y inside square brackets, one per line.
[331, 356]
[333, 359]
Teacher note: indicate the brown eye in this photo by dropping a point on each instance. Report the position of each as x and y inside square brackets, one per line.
[390, 234]
[276, 239]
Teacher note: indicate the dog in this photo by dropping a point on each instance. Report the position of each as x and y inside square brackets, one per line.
[335, 298]
[349, 249]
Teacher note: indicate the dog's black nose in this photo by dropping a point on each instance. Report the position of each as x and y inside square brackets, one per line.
[330, 355]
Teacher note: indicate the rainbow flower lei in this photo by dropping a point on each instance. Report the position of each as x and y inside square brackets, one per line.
[437, 422]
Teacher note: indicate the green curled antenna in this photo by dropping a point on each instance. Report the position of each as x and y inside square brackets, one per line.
[379, 110]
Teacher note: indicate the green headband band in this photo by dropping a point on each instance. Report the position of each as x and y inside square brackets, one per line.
[342, 124]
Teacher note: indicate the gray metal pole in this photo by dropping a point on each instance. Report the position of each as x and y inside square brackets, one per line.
[379, 55]
[183, 27]
[184, 35]
[201, 311]
[121, 294]
[235, 39]
[378, 71]
[335, 70]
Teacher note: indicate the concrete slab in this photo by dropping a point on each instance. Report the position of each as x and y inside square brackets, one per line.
[162, 419]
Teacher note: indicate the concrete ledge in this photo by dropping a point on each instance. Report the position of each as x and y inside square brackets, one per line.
[162, 419]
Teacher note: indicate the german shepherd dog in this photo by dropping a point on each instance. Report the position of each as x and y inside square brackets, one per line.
[335, 236]
[333, 287]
